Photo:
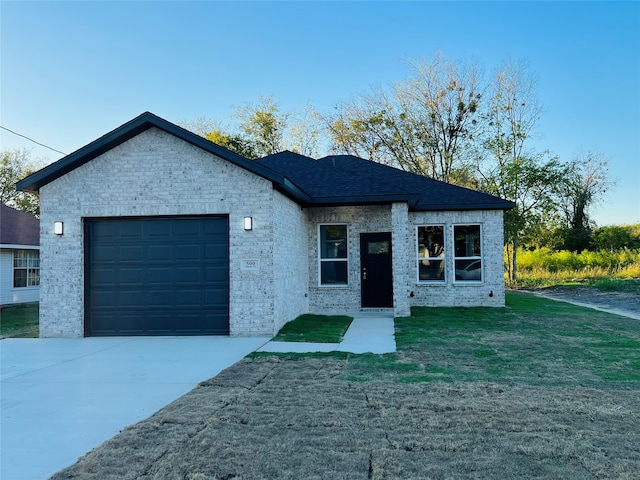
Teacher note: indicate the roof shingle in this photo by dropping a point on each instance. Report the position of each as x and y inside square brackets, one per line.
[18, 228]
[343, 179]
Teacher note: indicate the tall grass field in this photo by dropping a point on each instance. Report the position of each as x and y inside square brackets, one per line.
[544, 266]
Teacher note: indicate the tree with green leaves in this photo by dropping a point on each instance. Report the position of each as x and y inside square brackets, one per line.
[617, 237]
[586, 183]
[509, 167]
[263, 129]
[263, 125]
[236, 143]
[424, 125]
[14, 166]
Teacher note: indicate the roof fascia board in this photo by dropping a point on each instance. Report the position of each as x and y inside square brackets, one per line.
[365, 199]
[472, 206]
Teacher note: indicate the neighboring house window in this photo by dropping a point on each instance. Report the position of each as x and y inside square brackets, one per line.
[26, 268]
[333, 255]
[467, 243]
[431, 262]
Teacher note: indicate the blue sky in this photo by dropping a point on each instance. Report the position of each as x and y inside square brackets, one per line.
[72, 71]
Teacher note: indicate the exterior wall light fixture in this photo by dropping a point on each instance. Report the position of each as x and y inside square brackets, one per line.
[248, 223]
[58, 228]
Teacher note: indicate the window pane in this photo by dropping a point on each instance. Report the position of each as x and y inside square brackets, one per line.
[34, 259]
[333, 273]
[467, 240]
[333, 241]
[378, 248]
[469, 270]
[431, 242]
[431, 270]
[20, 258]
[34, 277]
[19, 278]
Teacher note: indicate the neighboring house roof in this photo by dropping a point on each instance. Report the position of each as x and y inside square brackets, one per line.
[333, 180]
[18, 228]
[345, 179]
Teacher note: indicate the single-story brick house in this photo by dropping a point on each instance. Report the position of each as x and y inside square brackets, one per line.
[153, 230]
[19, 257]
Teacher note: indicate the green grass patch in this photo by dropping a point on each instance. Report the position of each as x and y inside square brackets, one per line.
[315, 328]
[19, 320]
[532, 341]
[630, 285]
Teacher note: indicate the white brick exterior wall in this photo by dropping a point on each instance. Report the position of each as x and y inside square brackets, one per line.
[451, 293]
[401, 258]
[359, 219]
[291, 267]
[155, 173]
[403, 226]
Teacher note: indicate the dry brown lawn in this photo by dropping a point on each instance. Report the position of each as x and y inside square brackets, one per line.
[479, 412]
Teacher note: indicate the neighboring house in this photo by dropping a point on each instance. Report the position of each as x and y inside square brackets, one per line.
[160, 231]
[19, 257]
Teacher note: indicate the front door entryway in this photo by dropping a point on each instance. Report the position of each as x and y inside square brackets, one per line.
[376, 278]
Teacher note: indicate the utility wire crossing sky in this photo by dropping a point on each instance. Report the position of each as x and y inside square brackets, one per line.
[73, 71]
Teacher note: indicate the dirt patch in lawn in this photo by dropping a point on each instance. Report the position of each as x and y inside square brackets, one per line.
[292, 418]
[621, 303]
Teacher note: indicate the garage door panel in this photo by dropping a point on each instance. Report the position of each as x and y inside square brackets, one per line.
[131, 253]
[157, 229]
[217, 228]
[188, 298]
[103, 252]
[216, 273]
[160, 253]
[104, 276]
[189, 275]
[104, 299]
[190, 251]
[214, 297]
[131, 297]
[213, 251]
[131, 276]
[188, 227]
[158, 276]
[160, 298]
[130, 229]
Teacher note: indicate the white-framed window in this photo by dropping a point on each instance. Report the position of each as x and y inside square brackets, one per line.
[431, 253]
[333, 255]
[26, 268]
[467, 248]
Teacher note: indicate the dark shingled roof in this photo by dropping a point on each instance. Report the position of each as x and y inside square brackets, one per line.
[345, 179]
[18, 228]
[333, 180]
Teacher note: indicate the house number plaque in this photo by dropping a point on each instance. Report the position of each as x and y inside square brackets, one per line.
[250, 265]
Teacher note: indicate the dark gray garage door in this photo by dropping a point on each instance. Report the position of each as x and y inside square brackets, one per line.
[157, 276]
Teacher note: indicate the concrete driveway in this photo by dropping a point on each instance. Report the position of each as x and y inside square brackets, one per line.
[62, 397]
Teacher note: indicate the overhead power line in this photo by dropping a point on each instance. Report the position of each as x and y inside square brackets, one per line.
[32, 140]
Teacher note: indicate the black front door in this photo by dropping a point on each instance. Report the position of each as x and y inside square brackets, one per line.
[376, 276]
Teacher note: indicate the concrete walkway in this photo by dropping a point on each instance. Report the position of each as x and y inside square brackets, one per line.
[62, 397]
[368, 332]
